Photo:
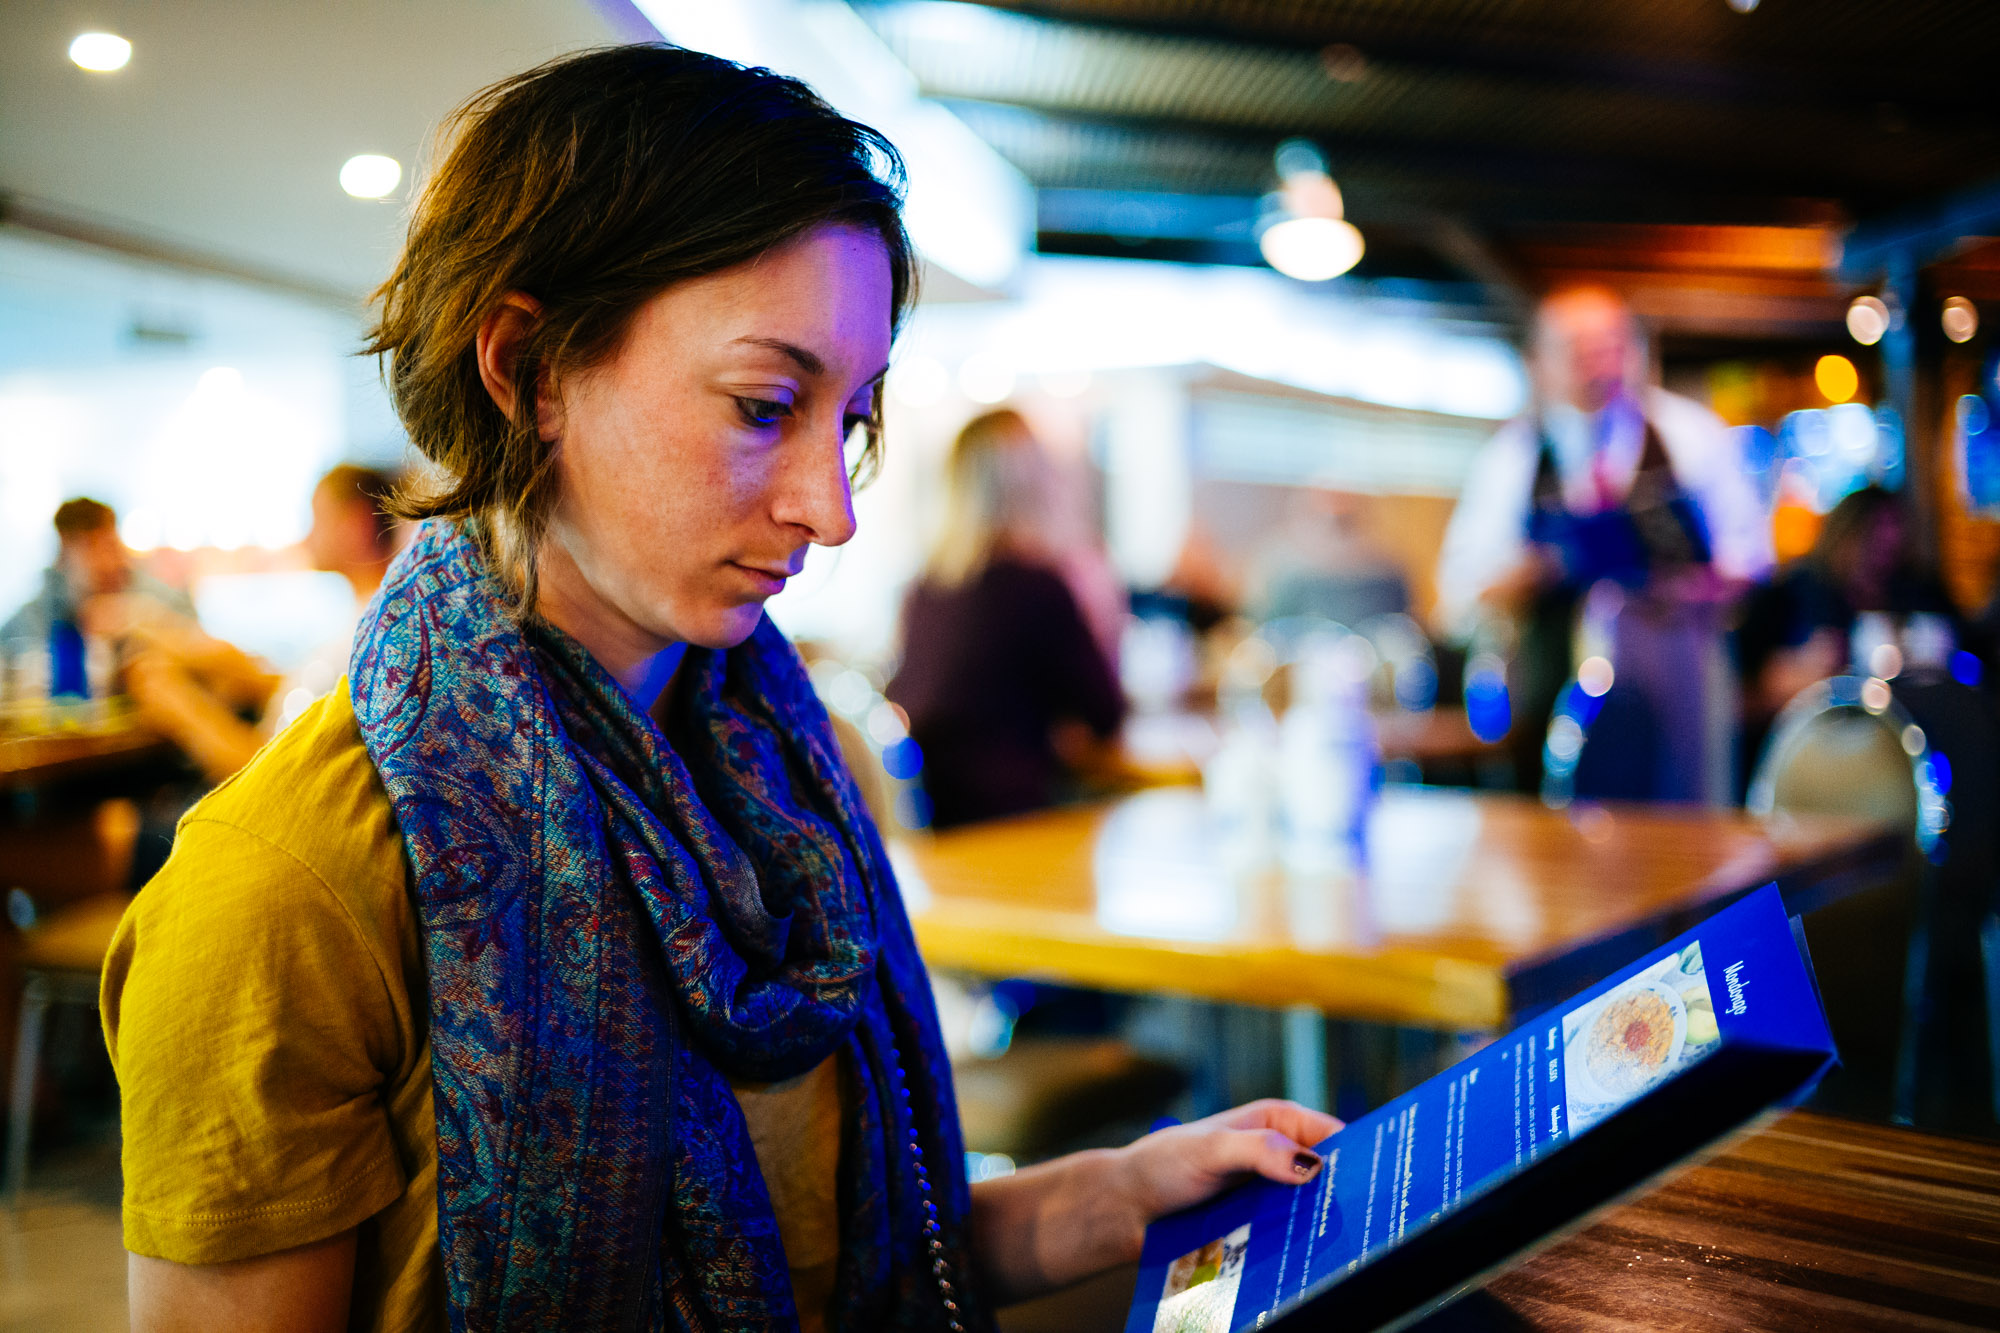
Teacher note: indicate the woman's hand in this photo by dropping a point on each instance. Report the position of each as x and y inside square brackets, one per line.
[1172, 1168]
[1060, 1222]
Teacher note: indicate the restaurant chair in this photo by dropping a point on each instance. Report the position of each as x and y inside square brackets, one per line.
[1959, 1019]
[60, 958]
[1845, 747]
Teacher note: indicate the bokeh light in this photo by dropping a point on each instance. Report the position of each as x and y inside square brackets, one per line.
[1867, 320]
[1960, 318]
[1595, 676]
[918, 380]
[1836, 377]
[986, 378]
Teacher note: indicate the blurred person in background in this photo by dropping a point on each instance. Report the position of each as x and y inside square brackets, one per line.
[1623, 510]
[92, 845]
[1799, 629]
[1000, 666]
[92, 562]
[549, 972]
[216, 702]
[353, 535]
[1324, 563]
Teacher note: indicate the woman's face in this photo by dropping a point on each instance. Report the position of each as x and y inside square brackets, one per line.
[700, 461]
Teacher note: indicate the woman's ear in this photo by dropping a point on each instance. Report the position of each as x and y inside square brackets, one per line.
[497, 348]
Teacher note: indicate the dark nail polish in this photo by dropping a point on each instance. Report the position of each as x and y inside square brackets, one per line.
[1305, 1163]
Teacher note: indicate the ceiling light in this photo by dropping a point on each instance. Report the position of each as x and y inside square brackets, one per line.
[1311, 249]
[1867, 320]
[100, 52]
[370, 175]
[1836, 378]
[1743, 6]
[1960, 318]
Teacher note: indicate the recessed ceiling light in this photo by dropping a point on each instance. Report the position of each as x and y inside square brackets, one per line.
[370, 175]
[100, 52]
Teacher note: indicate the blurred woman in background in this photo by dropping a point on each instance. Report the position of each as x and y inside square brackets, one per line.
[1798, 628]
[1004, 679]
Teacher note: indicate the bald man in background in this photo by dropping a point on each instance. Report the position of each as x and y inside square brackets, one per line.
[1613, 517]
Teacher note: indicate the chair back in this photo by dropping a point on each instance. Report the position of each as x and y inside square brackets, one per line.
[1846, 747]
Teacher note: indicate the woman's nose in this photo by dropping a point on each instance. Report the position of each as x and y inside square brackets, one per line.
[816, 493]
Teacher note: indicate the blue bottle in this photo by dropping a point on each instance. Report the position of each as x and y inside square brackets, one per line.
[67, 674]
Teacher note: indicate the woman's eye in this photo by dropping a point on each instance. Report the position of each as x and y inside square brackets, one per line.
[763, 411]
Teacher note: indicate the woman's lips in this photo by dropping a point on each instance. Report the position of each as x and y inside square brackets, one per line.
[768, 582]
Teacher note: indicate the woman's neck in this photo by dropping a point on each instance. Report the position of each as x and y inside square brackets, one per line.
[638, 659]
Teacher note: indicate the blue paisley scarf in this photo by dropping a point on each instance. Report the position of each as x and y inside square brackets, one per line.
[614, 925]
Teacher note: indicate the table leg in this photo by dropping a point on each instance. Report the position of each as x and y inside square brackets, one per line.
[1305, 1057]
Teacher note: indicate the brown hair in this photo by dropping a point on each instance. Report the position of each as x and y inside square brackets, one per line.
[83, 514]
[592, 183]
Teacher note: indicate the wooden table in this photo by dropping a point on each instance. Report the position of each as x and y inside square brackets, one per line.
[1433, 736]
[36, 760]
[1809, 1223]
[1165, 749]
[1812, 1223]
[1473, 907]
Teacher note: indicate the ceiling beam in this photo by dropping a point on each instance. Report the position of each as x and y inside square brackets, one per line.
[51, 220]
[1918, 94]
[1685, 190]
[1923, 234]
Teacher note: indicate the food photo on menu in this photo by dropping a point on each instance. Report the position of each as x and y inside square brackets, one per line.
[1432, 1192]
[1621, 1045]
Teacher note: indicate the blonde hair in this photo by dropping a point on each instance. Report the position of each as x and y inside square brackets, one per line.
[995, 495]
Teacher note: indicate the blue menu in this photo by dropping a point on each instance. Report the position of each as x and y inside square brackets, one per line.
[1421, 1197]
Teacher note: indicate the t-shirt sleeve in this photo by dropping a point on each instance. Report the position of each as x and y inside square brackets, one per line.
[252, 1029]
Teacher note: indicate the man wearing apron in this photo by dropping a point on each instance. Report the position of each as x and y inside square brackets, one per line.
[1613, 519]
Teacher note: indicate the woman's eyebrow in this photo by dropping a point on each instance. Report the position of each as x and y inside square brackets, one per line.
[805, 360]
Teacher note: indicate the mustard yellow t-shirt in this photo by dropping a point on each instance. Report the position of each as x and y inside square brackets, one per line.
[265, 1008]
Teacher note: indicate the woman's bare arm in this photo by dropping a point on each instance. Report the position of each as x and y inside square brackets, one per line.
[306, 1290]
[1055, 1224]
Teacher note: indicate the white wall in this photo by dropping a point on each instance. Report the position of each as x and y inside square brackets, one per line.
[201, 409]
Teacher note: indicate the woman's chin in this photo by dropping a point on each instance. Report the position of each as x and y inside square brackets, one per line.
[725, 627]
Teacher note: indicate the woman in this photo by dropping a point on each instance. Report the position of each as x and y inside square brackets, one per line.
[549, 975]
[1795, 631]
[999, 655]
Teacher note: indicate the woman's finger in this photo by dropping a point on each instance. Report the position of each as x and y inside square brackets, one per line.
[1270, 1153]
[1303, 1124]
